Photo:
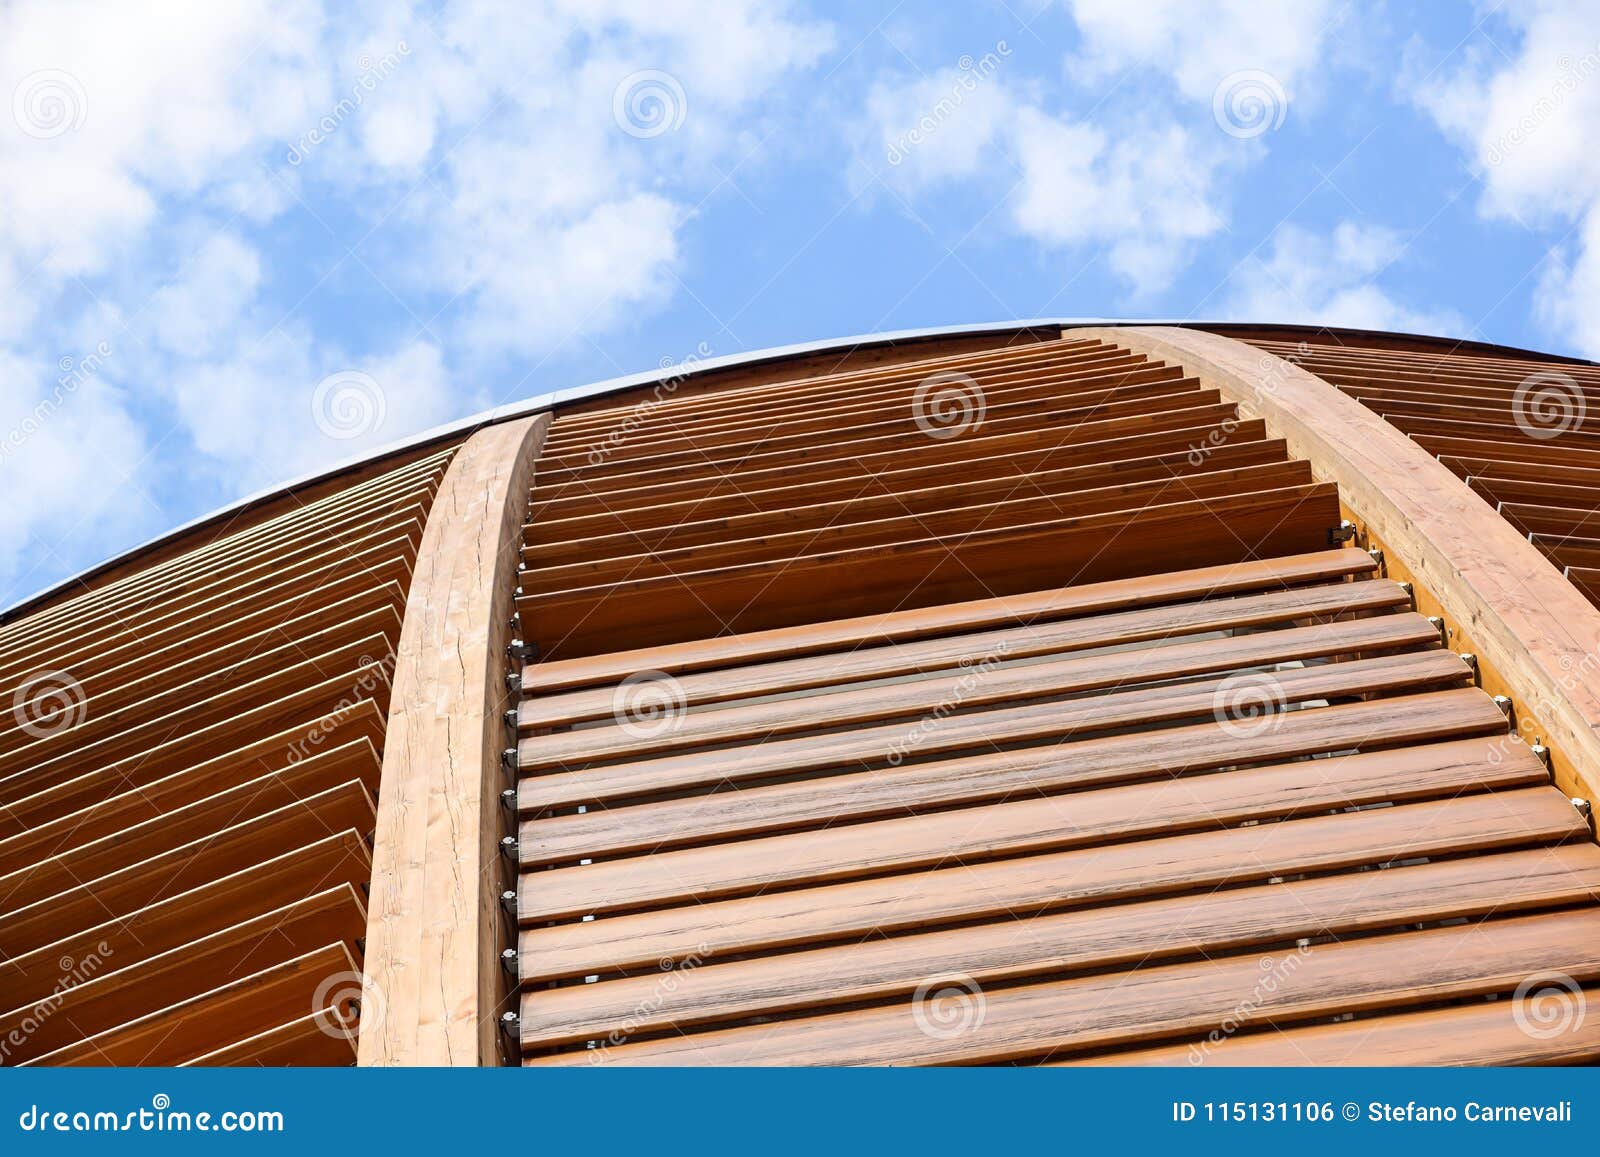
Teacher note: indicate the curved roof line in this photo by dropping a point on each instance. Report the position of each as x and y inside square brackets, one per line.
[553, 398]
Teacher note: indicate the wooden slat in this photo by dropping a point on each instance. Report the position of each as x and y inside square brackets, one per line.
[202, 1024]
[1021, 887]
[341, 858]
[1482, 1033]
[891, 743]
[979, 686]
[543, 679]
[321, 1040]
[1035, 1020]
[187, 827]
[124, 994]
[924, 572]
[928, 461]
[134, 825]
[932, 655]
[1033, 824]
[1095, 938]
[161, 786]
[624, 558]
[1171, 455]
[210, 858]
[1050, 397]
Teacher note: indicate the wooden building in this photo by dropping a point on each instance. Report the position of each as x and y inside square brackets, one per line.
[1067, 694]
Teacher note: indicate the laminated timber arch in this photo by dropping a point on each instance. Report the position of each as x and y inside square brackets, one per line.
[1536, 637]
[434, 930]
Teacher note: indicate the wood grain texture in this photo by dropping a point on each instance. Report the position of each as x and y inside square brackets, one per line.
[1527, 623]
[434, 915]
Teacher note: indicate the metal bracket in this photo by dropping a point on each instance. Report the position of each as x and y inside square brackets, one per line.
[1509, 708]
[1344, 532]
[1410, 593]
[1542, 754]
[514, 681]
[1383, 567]
[508, 759]
[1471, 661]
[508, 849]
[508, 800]
[521, 652]
[1444, 633]
[1583, 806]
[511, 1035]
[508, 961]
[508, 901]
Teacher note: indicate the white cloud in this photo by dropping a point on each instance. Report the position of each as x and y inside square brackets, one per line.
[1527, 114]
[68, 446]
[150, 153]
[1199, 42]
[259, 417]
[1139, 188]
[198, 311]
[1314, 279]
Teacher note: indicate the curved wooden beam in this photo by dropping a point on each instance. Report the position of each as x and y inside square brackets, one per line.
[433, 929]
[1536, 637]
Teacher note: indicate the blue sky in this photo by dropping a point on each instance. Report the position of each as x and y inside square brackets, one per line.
[239, 242]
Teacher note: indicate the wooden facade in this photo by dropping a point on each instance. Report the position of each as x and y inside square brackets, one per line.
[1052, 695]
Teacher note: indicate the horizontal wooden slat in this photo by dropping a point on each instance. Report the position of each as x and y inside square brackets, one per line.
[133, 826]
[623, 557]
[121, 995]
[321, 1040]
[891, 743]
[209, 858]
[980, 686]
[161, 785]
[1036, 1020]
[1030, 824]
[1020, 887]
[927, 461]
[932, 655]
[202, 1024]
[1093, 938]
[341, 858]
[1483, 1033]
[188, 826]
[1012, 560]
[545, 679]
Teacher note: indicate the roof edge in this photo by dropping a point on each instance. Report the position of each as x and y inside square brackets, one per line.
[684, 372]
